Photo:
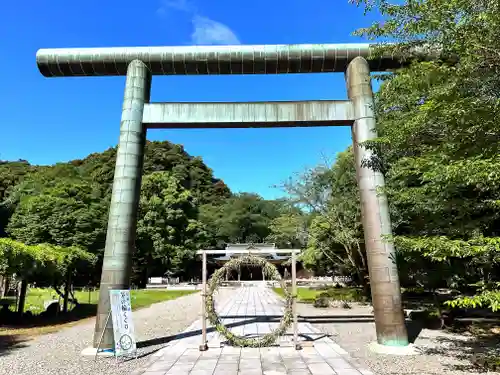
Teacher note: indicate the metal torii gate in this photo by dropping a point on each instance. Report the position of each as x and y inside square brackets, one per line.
[138, 114]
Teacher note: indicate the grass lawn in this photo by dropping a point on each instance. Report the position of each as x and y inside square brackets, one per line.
[139, 298]
[303, 294]
[37, 296]
[307, 295]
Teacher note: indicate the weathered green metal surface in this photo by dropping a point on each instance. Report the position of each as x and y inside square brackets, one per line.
[384, 279]
[201, 60]
[122, 220]
[248, 115]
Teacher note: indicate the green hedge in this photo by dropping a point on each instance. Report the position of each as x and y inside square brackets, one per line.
[43, 261]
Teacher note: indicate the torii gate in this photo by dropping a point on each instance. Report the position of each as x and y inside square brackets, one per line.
[139, 64]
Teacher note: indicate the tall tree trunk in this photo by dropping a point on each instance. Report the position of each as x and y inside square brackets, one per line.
[67, 288]
[2, 286]
[6, 285]
[22, 297]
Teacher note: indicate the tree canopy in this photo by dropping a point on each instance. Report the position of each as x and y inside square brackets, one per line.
[183, 208]
[438, 124]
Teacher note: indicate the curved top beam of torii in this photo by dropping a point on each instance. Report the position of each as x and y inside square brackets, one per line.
[202, 60]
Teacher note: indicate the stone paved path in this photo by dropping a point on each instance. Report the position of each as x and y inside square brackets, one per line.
[247, 312]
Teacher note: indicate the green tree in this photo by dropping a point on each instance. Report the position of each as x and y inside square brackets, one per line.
[330, 194]
[168, 233]
[66, 214]
[289, 230]
[243, 217]
[439, 127]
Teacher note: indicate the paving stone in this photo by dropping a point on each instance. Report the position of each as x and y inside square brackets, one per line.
[339, 364]
[205, 365]
[227, 366]
[249, 364]
[226, 372]
[179, 369]
[295, 365]
[314, 359]
[277, 367]
[321, 369]
[177, 372]
[298, 372]
[161, 366]
[201, 372]
[229, 358]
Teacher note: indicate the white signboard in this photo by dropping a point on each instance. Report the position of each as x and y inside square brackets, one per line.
[123, 327]
[156, 280]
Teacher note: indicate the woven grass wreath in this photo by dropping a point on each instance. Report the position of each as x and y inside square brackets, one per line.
[271, 273]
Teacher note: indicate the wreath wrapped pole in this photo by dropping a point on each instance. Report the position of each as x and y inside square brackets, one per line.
[204, 344]
[294, 301]
[271, 273]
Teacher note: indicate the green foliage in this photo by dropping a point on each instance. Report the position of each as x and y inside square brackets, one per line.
[42, 261]
[335, 239]
[321, 301]
[67, 213]
[289, 230]
[241, 218]
[346, 294]
[182, 208]
[438, 124]
[487, 362]
[36, 297]
[343, 295]
[305, 295]
[489, 299]
[168, 232]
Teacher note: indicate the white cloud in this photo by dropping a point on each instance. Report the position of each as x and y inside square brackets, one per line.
[208, 31]
[205, 30]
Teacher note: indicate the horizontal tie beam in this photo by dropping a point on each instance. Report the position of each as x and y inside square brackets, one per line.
[250, 251]
[249, 114]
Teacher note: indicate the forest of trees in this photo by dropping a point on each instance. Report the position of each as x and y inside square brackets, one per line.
[438, 146]
[182, 208]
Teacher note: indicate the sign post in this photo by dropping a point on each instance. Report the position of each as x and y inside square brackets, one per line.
[123, 327]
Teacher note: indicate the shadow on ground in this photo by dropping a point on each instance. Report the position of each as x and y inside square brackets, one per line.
[472, 349]
[10, 343]
[249, 319]
[27, 320]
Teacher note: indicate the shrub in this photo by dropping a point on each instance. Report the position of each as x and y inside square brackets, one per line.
[346, 294]
[345, 305]
[487, 362]
[321, 301]
[430, 318]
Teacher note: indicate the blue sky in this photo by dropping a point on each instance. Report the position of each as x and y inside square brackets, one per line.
[51, 120]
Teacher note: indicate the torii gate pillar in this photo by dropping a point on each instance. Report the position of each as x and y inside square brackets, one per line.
[384, 278]
[122, 219]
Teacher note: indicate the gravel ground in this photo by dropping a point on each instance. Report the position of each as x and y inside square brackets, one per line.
[441, 352]
[59, 352]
